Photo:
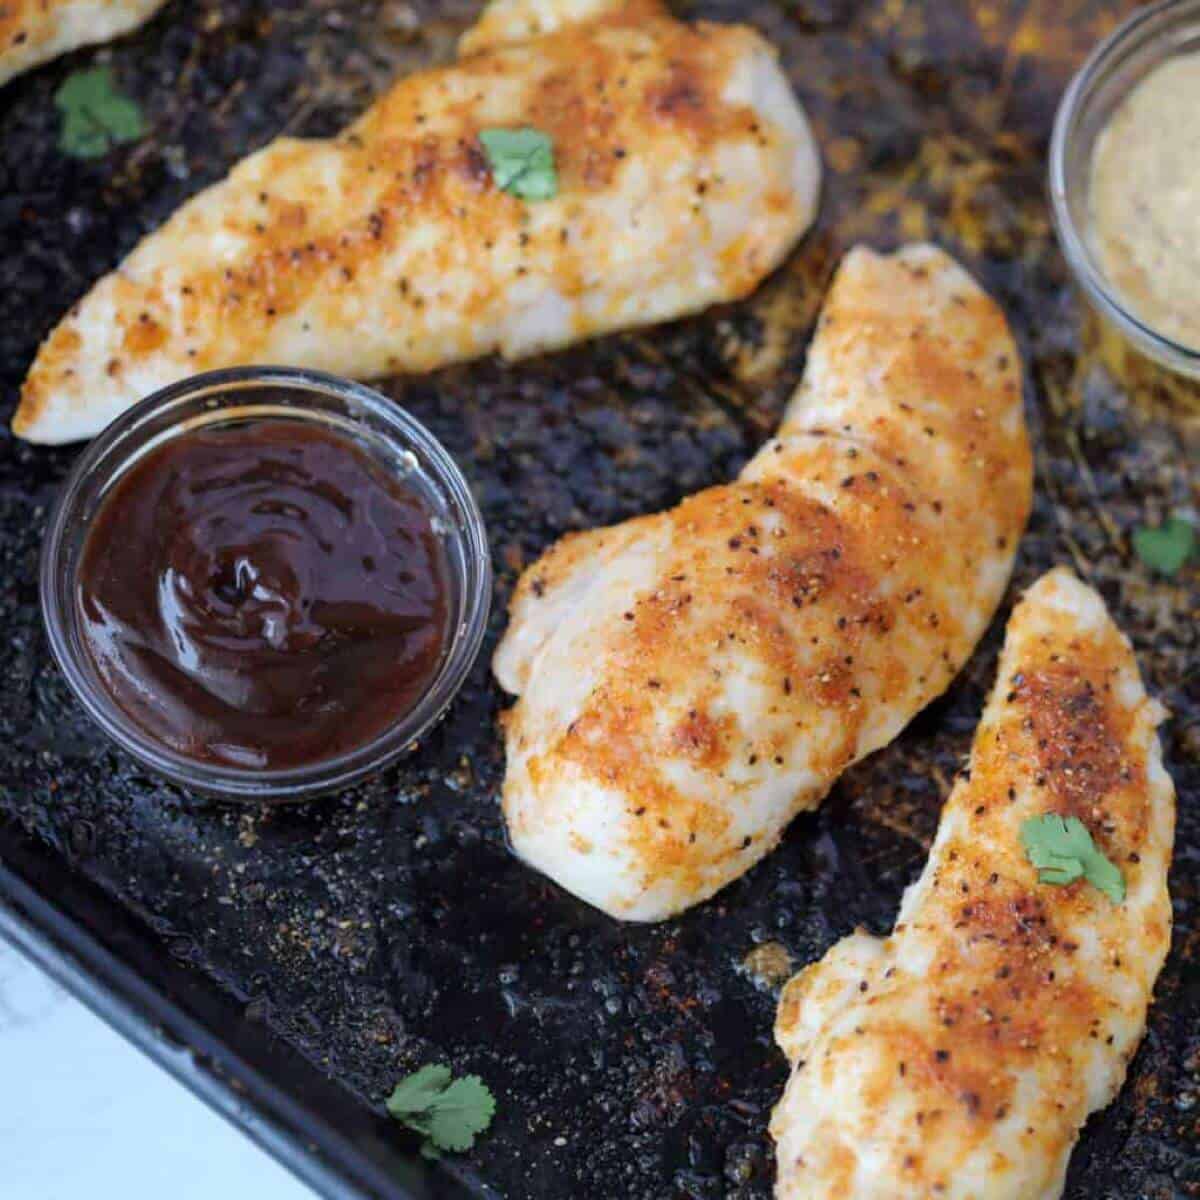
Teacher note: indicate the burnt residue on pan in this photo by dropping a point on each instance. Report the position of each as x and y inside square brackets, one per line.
[389, 926]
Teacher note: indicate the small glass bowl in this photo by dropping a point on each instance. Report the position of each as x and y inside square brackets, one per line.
[236, 396]
[1113, 69]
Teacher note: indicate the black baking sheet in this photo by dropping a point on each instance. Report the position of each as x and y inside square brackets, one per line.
[311, 955]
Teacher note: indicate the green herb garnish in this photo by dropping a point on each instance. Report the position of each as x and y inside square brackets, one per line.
[1062, 850]
[1166, 548]
[447, 1112]
[96, 116]
[522, 162]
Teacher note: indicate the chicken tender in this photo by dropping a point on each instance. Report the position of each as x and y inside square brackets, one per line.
[685, 172]
[959, 1057]
[691, 681]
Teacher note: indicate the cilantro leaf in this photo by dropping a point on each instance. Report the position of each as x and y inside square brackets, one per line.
[464, 1110]
[1166, 548]
[449, 1113]
[1106, 876]
[1061, 871]
[96, 116]
[1062, 850]
[416, 1092]
[522, 162]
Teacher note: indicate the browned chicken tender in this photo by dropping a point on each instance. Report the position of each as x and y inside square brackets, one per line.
[960, 1057]
[692, 680]
[685, 172]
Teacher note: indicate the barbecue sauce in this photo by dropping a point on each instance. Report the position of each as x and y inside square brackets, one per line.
[264, 595]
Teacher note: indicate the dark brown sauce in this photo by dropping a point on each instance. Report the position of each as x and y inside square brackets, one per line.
[263, 595]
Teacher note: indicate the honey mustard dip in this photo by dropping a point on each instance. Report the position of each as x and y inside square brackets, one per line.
[1144, 200]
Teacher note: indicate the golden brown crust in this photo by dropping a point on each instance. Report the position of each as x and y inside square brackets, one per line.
[1071, 731]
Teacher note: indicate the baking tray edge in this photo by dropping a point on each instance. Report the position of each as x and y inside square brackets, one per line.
[342, 1159]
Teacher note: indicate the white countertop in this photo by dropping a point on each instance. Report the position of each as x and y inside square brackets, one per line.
[86, 1116]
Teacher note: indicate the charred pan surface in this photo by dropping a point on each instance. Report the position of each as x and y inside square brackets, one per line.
[390, 926]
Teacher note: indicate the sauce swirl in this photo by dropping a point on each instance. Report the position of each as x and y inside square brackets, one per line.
[264, 595]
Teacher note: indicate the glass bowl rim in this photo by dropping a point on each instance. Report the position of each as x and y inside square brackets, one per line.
[309, 779]
[1107, 298]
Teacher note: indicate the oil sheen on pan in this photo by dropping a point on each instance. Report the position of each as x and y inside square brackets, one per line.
[390, 926]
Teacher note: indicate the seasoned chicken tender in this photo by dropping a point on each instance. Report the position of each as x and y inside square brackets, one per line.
[35, 31]
[686, 170]
[959, 1057]
[690, 681]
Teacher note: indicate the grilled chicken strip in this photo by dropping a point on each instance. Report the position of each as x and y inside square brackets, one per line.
[690, 681]
[686, 171]
[35, 31]
[960, 1057]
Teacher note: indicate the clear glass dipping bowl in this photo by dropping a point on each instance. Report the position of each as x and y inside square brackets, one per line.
[1113, 69]
[222, 398]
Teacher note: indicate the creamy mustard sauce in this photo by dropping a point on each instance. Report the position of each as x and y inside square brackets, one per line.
[1144, 200]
